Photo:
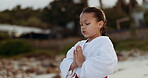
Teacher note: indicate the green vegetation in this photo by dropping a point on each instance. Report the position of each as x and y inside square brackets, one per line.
[131, 44]
[65, 49]
[146, 17]
[19, 48]
[4, 36]
[14, 47]
[61, 12]
[32, 53]
[112, 17]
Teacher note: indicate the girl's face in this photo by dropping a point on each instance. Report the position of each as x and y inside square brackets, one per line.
[90, 27]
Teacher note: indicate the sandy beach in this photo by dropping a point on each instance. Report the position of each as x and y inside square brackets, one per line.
[132, 64]
[133, 67]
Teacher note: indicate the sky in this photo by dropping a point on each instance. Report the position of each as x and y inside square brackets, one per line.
[9, 4]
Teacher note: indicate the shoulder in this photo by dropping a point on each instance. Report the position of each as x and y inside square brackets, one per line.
[105, 40]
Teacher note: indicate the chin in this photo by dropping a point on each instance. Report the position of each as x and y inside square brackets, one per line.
[86, 36]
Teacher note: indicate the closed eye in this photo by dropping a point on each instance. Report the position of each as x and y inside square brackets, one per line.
[87, 23]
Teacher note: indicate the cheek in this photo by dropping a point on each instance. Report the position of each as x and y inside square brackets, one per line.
[91, 30]
[94, 30]
[94, 27]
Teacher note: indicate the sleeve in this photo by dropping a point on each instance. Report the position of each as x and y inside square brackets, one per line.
[65, 64]
[102, 64]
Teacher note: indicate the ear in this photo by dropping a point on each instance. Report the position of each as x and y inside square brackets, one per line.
[100, 24]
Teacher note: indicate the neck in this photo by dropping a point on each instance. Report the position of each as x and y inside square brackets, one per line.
[93, 37]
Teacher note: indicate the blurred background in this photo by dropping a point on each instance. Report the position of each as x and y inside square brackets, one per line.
[35, 35]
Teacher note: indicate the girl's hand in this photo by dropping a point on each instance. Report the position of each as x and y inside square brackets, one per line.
[73, 65]
[78, 55]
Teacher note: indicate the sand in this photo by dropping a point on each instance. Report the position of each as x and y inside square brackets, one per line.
[134, 67]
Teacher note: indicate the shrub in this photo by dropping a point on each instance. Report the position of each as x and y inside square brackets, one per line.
[65, 49]
[14, 47]
[146, 17]
[4, 36]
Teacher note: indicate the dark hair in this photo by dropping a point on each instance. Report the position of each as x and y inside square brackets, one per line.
[100, 16]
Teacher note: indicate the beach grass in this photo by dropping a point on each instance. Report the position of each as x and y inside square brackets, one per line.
[131, 44]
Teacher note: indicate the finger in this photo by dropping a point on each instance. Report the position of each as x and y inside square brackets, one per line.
[79, 48]
[75, 54]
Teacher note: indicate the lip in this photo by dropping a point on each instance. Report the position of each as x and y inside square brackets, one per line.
[83, 32]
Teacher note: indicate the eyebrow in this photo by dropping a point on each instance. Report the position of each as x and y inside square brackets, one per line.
[84, 21]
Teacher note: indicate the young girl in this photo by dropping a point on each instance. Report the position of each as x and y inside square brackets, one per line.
[94, 57]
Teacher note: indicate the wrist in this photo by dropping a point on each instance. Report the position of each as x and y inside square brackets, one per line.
[80, 64]
[73, 66]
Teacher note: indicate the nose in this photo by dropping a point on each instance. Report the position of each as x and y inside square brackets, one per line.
[83, 27]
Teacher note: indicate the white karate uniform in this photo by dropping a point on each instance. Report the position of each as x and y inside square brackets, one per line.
[100, 59]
